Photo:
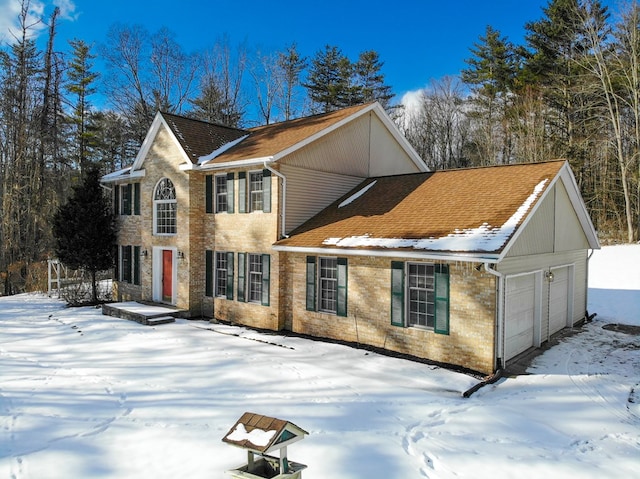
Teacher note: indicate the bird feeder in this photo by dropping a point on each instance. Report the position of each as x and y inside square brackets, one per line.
[261, 436]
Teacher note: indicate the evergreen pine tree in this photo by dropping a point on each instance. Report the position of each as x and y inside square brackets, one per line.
[80, 84]
[329, 81]
[84, 229]
[369, 80]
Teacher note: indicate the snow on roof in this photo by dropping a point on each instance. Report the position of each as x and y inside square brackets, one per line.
[483, 238]
[257, 437]
[114, 175]
[356, 195]
[219, 151]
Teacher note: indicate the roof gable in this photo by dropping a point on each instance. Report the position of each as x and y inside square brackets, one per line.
[273, 142]
[263, 434]
[469, 211]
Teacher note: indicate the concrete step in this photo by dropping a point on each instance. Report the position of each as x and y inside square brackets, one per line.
[160, 320]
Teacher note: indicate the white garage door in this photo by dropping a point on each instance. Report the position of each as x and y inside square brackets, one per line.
[519, 314]
[558, 299]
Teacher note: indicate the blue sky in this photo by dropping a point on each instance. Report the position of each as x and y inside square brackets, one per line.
[417, 40]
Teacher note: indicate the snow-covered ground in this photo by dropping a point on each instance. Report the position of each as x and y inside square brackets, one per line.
[88, 396]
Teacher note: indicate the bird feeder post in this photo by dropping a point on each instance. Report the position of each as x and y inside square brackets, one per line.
[261, 435]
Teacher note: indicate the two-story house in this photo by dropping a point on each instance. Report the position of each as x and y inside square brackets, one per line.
[331, 225]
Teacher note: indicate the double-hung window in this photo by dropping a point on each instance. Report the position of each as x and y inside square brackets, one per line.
[165, 208]
[128, 264]
[420, 295]
[254, 278]
[327, 285]
[127, 199]
[221, 194]
[254, 190]
[219, 274]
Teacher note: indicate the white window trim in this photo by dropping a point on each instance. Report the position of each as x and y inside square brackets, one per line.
[249, 206]
[407, 301]
[216, 209]
[319, 282]
[155, 209]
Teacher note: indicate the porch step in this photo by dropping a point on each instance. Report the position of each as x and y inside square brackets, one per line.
[147, 314]
[160, 320]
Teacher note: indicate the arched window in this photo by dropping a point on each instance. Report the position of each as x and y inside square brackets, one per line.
[164, 208]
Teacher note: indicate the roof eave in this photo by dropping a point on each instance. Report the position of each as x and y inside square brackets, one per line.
[237, 163]
[472, 257]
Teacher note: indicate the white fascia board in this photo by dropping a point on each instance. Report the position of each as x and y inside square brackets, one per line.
[579, 207]
[410, 254]
[116, 175]
[123, 175]
[237, 163]
[158, 121]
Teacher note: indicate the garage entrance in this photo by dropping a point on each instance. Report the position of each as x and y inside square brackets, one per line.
[522, 316]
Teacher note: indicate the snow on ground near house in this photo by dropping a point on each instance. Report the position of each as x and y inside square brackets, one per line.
[88, 396]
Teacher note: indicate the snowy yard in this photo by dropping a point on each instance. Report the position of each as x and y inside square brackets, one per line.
[89, 396]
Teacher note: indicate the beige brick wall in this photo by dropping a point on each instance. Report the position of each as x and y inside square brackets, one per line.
[469, 344]
[253, 232]
[163, 160]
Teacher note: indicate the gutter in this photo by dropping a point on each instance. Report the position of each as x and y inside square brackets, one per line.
[388, 253]
[500, 316]
[283, 205]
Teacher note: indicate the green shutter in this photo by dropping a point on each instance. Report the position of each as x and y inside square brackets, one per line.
[136, 198]
[266, 265]
[230, 185]
[266, 191]
[242, 192]
[397, 293]
[136, 264]
[442, 299]
[116, 199]
[342, 287]
[241, 273]
[208, 194]
[311, 283]
[208, 273]
[229, 275]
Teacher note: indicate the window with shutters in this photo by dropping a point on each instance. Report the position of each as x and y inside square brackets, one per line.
[254, 191]
[254, 278]
[221, 194]
[420, 295]
[327, 285]
[128, 270]
[127, 199]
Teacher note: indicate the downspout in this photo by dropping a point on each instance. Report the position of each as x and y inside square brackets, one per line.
[588, 317]
[500, 316]
[283, 206]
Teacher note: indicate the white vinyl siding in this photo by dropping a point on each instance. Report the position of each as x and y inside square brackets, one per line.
[309, 192]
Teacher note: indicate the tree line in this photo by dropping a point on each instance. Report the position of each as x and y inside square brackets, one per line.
[571, 91]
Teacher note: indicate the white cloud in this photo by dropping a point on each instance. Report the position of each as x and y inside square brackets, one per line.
[38, 11]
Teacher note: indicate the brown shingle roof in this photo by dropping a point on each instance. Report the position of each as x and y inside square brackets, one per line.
[268, 140]
[465, 210]
[200, 138]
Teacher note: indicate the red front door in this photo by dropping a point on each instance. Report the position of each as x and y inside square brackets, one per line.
[167, 275]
